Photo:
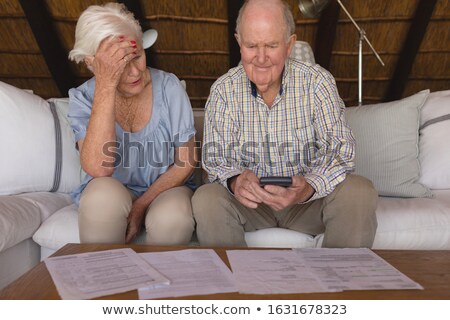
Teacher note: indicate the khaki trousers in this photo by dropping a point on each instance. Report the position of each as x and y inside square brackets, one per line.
[346, 216]
[105, 204]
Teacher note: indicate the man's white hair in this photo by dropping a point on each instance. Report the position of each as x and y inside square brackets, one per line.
[287, 13]
[99, 22]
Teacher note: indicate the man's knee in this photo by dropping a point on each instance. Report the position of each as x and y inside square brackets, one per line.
[208, 195]
[351, 209]
[359, 191]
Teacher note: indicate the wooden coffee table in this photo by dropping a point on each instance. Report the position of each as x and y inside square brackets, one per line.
[431, 269]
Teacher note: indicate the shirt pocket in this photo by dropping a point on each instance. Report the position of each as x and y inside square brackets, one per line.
[300, 149]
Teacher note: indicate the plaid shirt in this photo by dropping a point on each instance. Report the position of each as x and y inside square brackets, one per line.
[303, 133]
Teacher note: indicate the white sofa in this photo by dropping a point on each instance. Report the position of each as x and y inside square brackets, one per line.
[37, 216]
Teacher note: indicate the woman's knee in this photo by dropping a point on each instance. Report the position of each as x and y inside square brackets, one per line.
[105, 198]
[169, 218]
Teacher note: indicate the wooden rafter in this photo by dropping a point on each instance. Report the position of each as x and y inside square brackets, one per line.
[135, 7]
[50, 45]
[233, 10]
[409, 50]
[326, 33]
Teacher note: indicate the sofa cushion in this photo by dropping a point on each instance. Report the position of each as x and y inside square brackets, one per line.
[279, 238]
[28, 140]
[59, 229]
[47, 202]
[387, 149]
[19, 219]
[434, 142]
[21, 215]
[17, 260]
[62, 228]
[414, 224]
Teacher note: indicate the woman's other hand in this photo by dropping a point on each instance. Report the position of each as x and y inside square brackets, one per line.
[135, 219]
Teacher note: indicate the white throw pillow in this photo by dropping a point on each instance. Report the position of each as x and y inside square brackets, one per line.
[387, 149]
[27, 139]
[59, 229]
[434, 141]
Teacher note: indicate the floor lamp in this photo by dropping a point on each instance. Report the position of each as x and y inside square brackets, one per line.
[312, 9]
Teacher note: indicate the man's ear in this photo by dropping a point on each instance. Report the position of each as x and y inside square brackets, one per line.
[291, 43]
[238, 39]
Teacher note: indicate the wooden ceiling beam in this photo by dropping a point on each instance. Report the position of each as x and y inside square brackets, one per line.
[233, 10]
[326, 33]
[136, 8]
[409, 50]
[50, 45]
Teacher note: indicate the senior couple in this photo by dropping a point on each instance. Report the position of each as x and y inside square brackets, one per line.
[269, 116]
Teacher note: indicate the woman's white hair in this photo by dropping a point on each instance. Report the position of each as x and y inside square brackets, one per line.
[99, 22]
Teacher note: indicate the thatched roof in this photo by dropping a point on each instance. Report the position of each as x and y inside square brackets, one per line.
[196, 43]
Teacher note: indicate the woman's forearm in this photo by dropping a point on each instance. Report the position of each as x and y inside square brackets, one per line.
[177, 175]
[100, 140]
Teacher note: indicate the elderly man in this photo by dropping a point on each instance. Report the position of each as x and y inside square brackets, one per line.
[274, 116]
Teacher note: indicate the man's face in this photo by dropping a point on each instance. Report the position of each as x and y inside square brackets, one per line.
[264, 48]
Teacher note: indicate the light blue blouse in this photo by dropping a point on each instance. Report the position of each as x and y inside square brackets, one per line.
[142, 156]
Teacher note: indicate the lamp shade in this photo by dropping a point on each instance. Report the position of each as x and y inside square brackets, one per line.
[302, 51]
[312, 8]
[149, 38]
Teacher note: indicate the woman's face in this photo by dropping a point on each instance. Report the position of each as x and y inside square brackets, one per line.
[135, 76]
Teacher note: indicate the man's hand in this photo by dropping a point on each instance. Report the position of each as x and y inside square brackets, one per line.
[243, 186]
[135, 218]
[279, 198]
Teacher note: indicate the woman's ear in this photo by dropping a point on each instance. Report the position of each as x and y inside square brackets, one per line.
[89, 60]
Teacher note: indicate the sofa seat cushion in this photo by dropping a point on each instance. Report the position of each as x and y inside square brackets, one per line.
[418, 223]
[19, 219]
[279, 238]
[403, 223]
[17, 260]
[61, 228]
[21, 215]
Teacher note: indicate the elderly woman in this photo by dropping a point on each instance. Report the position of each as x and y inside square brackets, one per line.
[135, 132]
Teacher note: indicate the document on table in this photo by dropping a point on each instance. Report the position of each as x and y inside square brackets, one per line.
[314, 270]
[191, 272]
[95, 274]
[272, 271]
[354, 269]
